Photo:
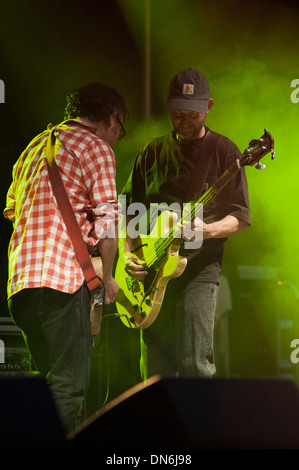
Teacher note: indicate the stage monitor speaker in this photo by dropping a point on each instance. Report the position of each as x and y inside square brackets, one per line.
[28, 416]
[197, 414]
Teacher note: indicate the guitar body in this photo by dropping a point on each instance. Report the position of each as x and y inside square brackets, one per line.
[98, 265]
[138, 302]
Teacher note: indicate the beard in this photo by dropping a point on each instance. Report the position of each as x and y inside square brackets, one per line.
[186, 133]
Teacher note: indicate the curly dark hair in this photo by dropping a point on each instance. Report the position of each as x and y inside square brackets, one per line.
[95, 102]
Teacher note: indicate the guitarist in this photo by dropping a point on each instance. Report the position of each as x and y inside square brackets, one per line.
[48, 298]
[179, 167]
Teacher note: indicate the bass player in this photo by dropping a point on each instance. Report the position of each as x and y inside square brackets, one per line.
[179, 167]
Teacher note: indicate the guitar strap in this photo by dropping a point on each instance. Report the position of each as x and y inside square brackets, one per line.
[94, 283]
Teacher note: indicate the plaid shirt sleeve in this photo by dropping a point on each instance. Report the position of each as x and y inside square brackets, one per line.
[98, 170]
[40, 251]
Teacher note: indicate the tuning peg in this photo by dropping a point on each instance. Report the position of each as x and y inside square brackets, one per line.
[259, 166]
[272, 155]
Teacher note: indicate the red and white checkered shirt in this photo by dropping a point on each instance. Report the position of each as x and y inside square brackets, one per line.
[40, 252]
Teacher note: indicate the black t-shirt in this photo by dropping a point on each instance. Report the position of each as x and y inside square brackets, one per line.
[168, 171]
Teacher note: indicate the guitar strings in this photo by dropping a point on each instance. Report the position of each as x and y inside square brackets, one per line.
[163, 243]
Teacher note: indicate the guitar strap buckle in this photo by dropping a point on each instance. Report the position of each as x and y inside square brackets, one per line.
[96, 309]
[97, 296]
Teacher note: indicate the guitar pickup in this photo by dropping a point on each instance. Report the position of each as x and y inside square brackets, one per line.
[133, 284]
[142, 313]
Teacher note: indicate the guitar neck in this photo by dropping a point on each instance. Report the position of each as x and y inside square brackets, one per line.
[220, 184]
[199, 205]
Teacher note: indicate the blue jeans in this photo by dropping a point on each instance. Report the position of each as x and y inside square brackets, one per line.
[180, 341]
[56, 329]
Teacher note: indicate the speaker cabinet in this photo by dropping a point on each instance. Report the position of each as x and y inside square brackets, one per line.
[197, 414]
[29, 418]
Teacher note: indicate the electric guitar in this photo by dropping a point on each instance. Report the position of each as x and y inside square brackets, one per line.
[138, 302]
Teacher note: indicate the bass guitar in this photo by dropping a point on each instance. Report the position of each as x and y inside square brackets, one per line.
[139, 302]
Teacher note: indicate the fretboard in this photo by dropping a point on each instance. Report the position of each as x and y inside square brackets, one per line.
[175, 232]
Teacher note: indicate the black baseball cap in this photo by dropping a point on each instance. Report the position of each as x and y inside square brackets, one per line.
[188, 89]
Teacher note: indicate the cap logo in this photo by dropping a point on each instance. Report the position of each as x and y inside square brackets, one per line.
[188, 89]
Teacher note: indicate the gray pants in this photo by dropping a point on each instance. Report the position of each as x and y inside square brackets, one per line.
[180, 341]
[56, 328]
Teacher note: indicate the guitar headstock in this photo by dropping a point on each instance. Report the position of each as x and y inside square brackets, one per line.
[257, 149]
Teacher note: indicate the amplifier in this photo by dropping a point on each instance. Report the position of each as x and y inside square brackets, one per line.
[14, 356]
[16, 362]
